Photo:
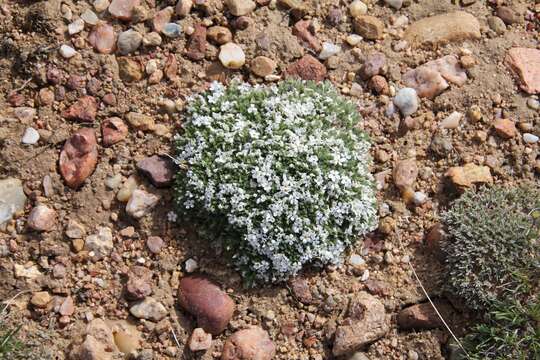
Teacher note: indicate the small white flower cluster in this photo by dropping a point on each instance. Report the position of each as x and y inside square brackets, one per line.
[285, 166]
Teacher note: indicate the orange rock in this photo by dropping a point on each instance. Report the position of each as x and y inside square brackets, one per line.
[307, 68]
[468, 175]
[525, 64]
[505, 128]
[78, 158]
[249, 344]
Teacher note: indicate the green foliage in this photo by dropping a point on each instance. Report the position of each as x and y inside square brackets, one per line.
[280, 174]
[9, 342]
[492, 252]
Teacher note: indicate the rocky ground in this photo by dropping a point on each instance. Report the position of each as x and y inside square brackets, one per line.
[93, 263]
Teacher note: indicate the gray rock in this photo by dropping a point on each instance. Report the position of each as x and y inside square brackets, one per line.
[407, 101]
[396, 4]
[172, 30]
[129, 41]
[149, 309]
[101, 244]
[12, 199]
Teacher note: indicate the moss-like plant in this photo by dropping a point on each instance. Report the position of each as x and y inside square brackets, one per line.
[492, 251]
[280, 173]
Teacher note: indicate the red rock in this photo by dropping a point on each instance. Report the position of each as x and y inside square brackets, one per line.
[197, 43]
[301, 30]
[377, 287]
[525, 64]
[76, 82]
[307, 68]
[15, 99]
[109, 99]
[42, 218]
[103, 38]
[379, 85]
[161, 18]
[200, 340]
[78, 158]
[433, 240]
[139, 284]
[159, 169]
[252, 343]
[375, 64]
[54, 76]
[505, 128]
[171, 68]
[113, 130]
[301, 290]
[423, 316]
[212, 307]
[85, 110]
[123, 9]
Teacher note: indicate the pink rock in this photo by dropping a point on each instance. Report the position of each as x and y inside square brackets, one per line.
[123, 9]
[525, 64]
[139, 284]
[200, 340]
[161, 18]
[155, 244]
[159, 169]
[212, 307]
[428, 83]
[42, 218]
[84, 110]
[78, 158]
[450, 69]
[67, 308]
[375, 64]
[197, 43]
[252, 343]
[113, 130]
[301, 30]
[103, 38]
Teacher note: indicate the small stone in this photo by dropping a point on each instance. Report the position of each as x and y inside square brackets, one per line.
[172, 30]
[232, 56]
[159, 169]
[356, 261]
[507, 15]
[262, 66]
[328, 50]
[100, 244]
[307, 68]
[67, 51]
[89, 17]
[354, 39]
[219, 35]
[78, 158]
[367, 322]
[396, 4]
[140, 121]
[101, 5]
[496, 24]
[452, 120]
[76, 27]
[74, 230]
[161, 18]
[197, 43]
[442, 29]
[129, 41]
[525, 64]
[241, 23]
[302, 30]
[505, 128]
[183, 7]
[84, 110]
[419, 198]
[102, 38]
[151, 39]
[126, 336]
[26, 271]
[129, 69]
[357, 8]
[334, 17]
[375, 64]
[40, 299]
[369, 27]
[467, 61]
[149, 309]
[533, 104]
[123, 9]
[25, 114]
[301, 290]
[468, 175]
[252, 343]
[42, 218]
[407, 101]
[140, 203]
[200, 340]
[530, 138]
[30, 136]
[423, 316]
[212, 307]
[127, 189]
[405, 174]
[139, 284]
[379, 85]
[240, 7]
[67, 308]
[139, 14]
[113, 130]
[191, 265]
[155, 244]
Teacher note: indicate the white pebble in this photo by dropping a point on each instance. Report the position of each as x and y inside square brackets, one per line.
[530, 138]
[357, 8]
[356, 260]
[354, 39]
[407, 101]
[365, 275]
[76, 27]
[151, 66]
[328, 49]
[452, 120]
[232, 56]
[90, 17]
[401, 21]
[101, 5]
[30, 136]
[419, 198]
[191, 265]
[67, 51]
[533, 103]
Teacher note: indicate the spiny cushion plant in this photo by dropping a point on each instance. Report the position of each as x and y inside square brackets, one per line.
[492, 252]
[279, 173]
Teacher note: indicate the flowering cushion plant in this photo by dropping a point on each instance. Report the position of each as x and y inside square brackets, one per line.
[280, 173]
